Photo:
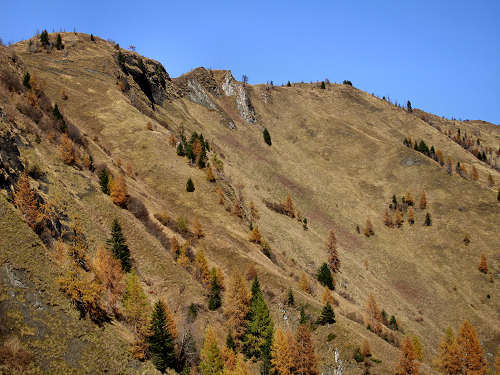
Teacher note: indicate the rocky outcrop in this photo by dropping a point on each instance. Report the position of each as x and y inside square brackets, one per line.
[198, 94]
[10, 162]
[231, 87]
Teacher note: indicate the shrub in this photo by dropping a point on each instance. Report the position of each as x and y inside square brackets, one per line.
[267, 137]
[189, 185]
[26, 80]
[182, 224]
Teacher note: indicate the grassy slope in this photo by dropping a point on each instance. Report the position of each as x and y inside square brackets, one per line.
[338, 152]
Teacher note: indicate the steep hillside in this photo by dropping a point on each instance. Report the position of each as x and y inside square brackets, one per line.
[338, 152]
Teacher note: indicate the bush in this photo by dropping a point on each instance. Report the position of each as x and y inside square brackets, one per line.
[26, 80]
[267, 137]
[189, 185]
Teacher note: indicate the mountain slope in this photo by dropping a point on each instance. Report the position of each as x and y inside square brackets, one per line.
[338, 152]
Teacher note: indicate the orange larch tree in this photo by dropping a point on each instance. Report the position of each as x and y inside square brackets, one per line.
[483, 264]
[447, 361]
[368, 228]
[333, 255]
[118, 191]
[237, 305]
[66, 149]
[474, 174]
[423, 201]
[388, 219]
[197, 229]
[398, 218]
[491, 182]
[305, 357]
[254, 213]
[373, 315]
[282, 352]
[255, 235]
[288, 206]
[470, 351]
[108, 270]
[26, 201]
[304, 283]
[408, 364]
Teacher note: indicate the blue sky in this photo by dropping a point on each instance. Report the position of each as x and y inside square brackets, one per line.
[444, 56]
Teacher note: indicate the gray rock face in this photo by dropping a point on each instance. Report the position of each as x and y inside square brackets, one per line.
[199, 95]
[10, 162]
[245, 107]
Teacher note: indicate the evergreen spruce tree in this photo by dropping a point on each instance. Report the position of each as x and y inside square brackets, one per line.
[257, 340]
[92, 39]
[230, 341]
[160, 342]
[214, 300]
[118, 245]
[290, 300]
[212, 362]
[189, 185]
[104, 181]
[327, 315]
[44, 38]
[303, 317]
[498, 196]
[325, 276]
[26, 80]
[267, 137]
[408, 106]
[289, 84]
[180, 150]
[323, 85]
[428, 221]
[59, 44]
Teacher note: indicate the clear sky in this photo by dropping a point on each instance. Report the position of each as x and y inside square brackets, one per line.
[444, 56]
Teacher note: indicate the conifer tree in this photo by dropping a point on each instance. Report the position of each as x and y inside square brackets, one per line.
[417, 347]
[327, 315]
[423, 201]
[118, 245]
[160, 341]
[428, 220]
[491, 182]
[202, 270]
[305, 357]
[483, 264]
[197, 229]
[470, 351]
[254, 213]
[290, 301]
[497, 362]
[189, 185]
[398, 219]
[44, 38]
[368, 228]
[327, 296]
[498, 195]
[388, 219]
[211, 357]
[282, 352]
[118, 191]
[214, 298]
[288, 206]
[174, 246]
[59, 44]
[104, 181]
[373, 316]
[258, 336]
[267, 137]
[210, 174]
[92, 39]
[255, 235]
[230, 341]
[333, 256]
[304, 283]
[66, 149]
[408, 364]
[449, 166]
[135, 302]
[26, 80]
[474, 174]
[365, 349]
[411, 216]
[237, 305]
[109, 272]
[26, 201]
[447, 361]
[325, 276]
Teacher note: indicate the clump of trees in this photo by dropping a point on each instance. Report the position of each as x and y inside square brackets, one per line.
[195, 149]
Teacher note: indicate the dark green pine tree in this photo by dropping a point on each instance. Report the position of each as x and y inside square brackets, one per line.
[303, 317]
[327, 315]
[230, 341]
[104, 181]
[257, 340]
[393, 324]
[189, 185]
[59, 44]
[325, 276]
[180, 149]
[290, 300]
[92, 39]
[57, 114]
[267, 137]
[289, 84]
[44, 38]
[160, 342]
[214, 300]
[428, 221]
[498, 196]
[118, 246]
[26, 80]
[408, 106]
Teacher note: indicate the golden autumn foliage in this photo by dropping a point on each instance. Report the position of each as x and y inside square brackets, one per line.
[327, 297]
[333, 255]
[388, 219]
[283, 358]
[417, 347]
[254, 213]
[305, 357]
[398, 218]
[470, 352]
[491, 182]
[210, 174]
[409, 198]
[66, 150]
[172, 140]
[237, 305]
[236, 210]
[408, 364]
[368, 231]
[220, 278]
[211, 358]
[135, 304]
[221, 196]
[447, 361]
[202, 270]
[304, 283]
[373, 315]
[118, 191]
[197, 229]
[288, 206]
[174, 246]
[171, 326]
[474, 174]
[26, 201]
[255, 235]
[183, 260]
[411, 215]
[483, 264]
[423, 201]
[109, 272]
[365, 349]
[497, 362]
